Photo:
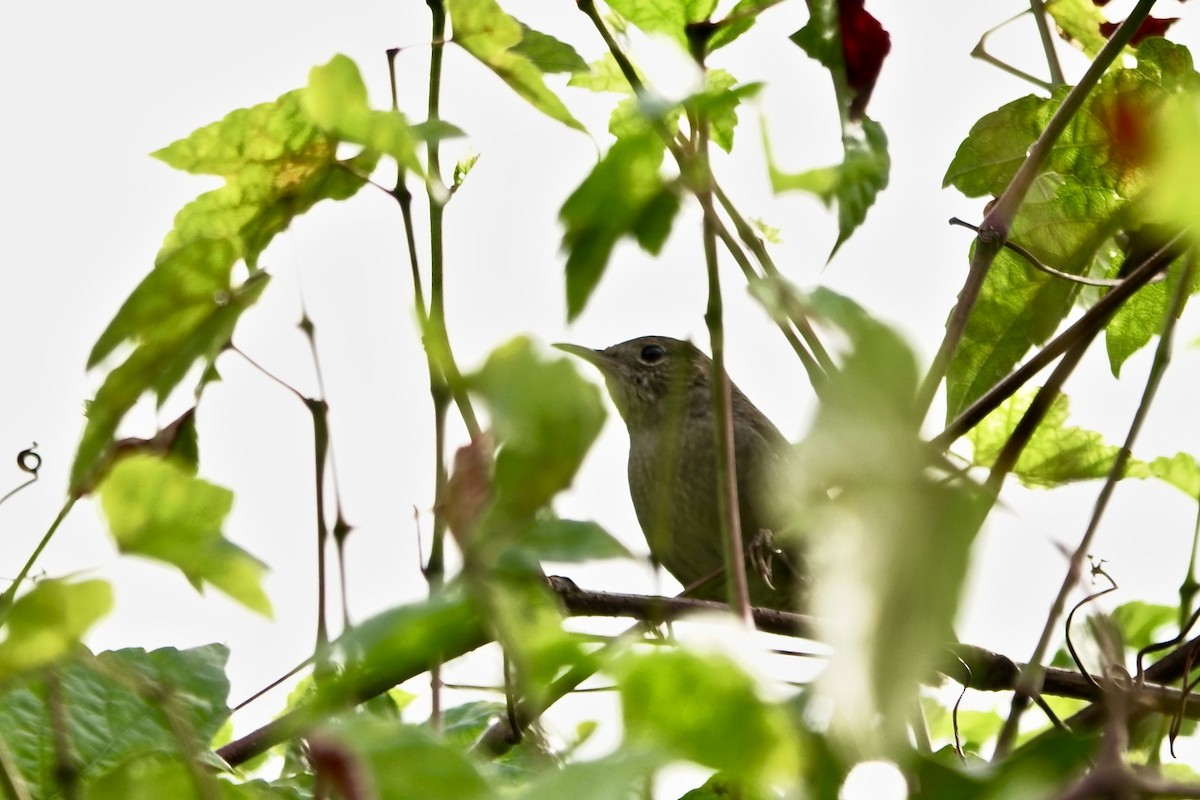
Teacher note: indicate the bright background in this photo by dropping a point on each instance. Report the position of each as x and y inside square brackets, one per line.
[91, 89]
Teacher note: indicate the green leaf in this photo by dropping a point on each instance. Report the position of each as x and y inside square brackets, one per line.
[1180, 471]
[110, 721]
[571, 540]
[156, 509]
[624, 195]
[1078, 22]
[47, 622]
[545, 417]
[486, 32]
[659, 693]
[547, 53]
[669, 17]
[1142, 624]
[182, 312]
[1042, 768]
[878, 527]
[853, 185]
[1056, 454]
[403, 762]
[276, 164]
[739, 20]
[615, 777]
[336, 101]
[1075, 207]
[603, 75]
[395, 645]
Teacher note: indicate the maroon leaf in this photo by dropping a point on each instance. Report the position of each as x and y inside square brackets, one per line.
[1153, 26]
[864, 46]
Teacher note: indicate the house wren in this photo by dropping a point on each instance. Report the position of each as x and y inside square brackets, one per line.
[662, 388]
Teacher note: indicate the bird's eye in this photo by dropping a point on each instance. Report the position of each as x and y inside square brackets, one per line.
[652, 353]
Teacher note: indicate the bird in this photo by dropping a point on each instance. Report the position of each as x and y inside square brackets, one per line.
[662, 389]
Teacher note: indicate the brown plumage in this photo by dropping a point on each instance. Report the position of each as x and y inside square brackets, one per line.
[662, 388]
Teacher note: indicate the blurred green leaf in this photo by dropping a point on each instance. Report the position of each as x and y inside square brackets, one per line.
[109, 721]
[463, 725]
[395, 645]
[603, 75]
[1075, 207]
[46, 622]
[1180, 471]
[705, 708]
[400, 762]
[486, 32]
[156, 509]
[545, 417]
[615, 777]
[336, 100]
[878, 528]
[1041, 768]
[739, 20]
[1141, 624]
[158, 775]
[1056, 454]
[547, 53]
[571, 540]
[624, 195]
[669, 17]
[1078, 22]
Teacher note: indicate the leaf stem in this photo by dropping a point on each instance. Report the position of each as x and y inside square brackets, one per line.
[1038, 9]
[10, 594]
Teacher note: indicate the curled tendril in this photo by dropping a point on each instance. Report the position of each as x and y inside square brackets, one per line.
[29, 461]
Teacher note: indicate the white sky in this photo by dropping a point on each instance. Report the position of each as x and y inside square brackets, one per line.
[91, 89]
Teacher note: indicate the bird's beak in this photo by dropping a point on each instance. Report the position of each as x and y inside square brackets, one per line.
[595, 357]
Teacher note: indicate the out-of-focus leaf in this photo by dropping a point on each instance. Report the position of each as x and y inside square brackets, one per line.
[686, 703]
[399, 762]
[571, 540]
[483, 29]
[668, 17]
[397, 644]
[547, 53]
[45, 623]
[1040, 769]
[1151, 26]
[1070, 216]
[1057, 453]
[1141, 623]
[603, 75]
[1078, 21]
[739, 20]
[463, 725]
[624, 195]
[545, 416]
[615, 777]
[975, 729]
[888, 541]
[1180, 471]
[109, 721]
[156, 509]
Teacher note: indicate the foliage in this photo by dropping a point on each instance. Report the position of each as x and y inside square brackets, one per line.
[878, 520]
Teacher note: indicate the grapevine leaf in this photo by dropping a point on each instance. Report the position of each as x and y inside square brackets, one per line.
[547, 53]
[1057, 453]
[668, 17]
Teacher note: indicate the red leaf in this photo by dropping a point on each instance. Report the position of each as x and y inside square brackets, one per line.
[864, 46]
[1153, 26]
